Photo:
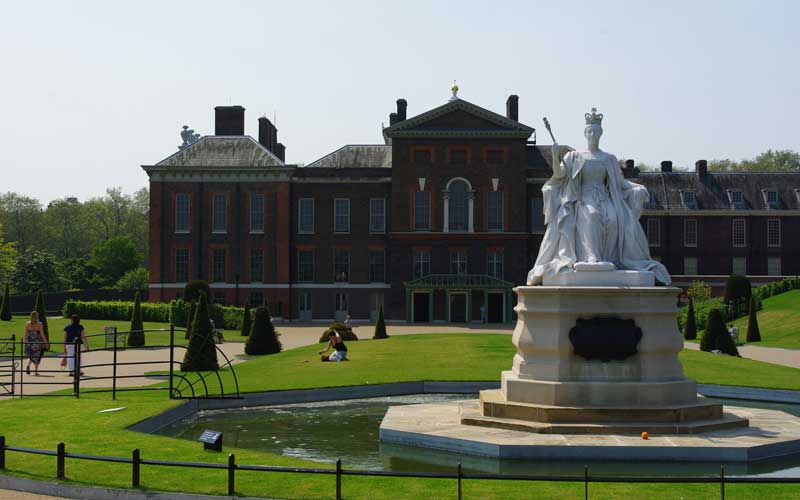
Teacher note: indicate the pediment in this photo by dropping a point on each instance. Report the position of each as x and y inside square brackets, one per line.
[459, 118]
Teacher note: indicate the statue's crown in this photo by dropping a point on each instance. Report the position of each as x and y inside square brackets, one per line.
[594, 118]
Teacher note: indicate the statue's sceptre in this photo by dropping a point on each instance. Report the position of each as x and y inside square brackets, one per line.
[555, 149]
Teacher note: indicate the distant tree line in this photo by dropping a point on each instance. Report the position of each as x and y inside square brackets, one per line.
[784, 160]
[69, 244]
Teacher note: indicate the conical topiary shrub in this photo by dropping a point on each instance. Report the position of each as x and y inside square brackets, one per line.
[263, 339]
[201, 353]
[380, 326]
[189, 319]
[690, 329]
[42, 314]
[136, 333]
[5, 306]
[753, 333]
[247, 321]
[714, 325]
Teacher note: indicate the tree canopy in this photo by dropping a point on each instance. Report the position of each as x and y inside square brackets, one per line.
[779, 160]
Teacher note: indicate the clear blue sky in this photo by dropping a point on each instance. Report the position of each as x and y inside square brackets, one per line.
[92, 90]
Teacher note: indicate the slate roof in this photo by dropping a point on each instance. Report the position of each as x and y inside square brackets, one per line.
[712, 193]
[356, 156]
[223, 151]
[541, 157]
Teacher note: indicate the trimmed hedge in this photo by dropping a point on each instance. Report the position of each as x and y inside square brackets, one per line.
[760, 293]
[343, 331]
[226, 317]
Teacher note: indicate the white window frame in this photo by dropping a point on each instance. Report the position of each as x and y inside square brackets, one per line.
[254, 229]
[373, 216]
[427, 220]
[695, 263]
[188, 265]
[776, 242]
[179, 228]
[654, 227]
[771, 205]
[300, 264]
[736, 199]
[499, 196]
[456, 262]
[300, 203]
[496, 258]
[686, 194]
[219, 226]
[742, 270]
[214, 265]
[421, 257]
[369, 265]
[687, 223]
[347, 271]
[339, 203]
[771, 262]
[734, 224]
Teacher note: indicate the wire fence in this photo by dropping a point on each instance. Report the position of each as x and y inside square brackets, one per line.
[181, 385]
[458, 476]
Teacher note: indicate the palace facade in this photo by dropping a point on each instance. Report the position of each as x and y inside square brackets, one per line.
[435, 224]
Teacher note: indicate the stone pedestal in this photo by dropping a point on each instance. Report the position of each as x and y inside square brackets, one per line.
[547, 371]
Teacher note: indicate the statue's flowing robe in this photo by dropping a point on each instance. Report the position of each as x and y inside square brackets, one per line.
[561, 194]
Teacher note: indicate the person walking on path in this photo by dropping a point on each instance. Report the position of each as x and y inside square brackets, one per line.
[72, 332]
[35, 342]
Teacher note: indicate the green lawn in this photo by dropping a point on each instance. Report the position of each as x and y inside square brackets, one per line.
[43, 422]
[95, 326]
[778, 322]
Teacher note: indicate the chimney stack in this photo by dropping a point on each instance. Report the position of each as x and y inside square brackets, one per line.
[701, 167]
[666, 166]
[402, 106]
[229, 120]
[267, 134]
[280, 152]
[393, 119]
[512, 108]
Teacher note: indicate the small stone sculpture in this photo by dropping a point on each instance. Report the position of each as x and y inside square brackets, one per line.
[592, 215]
[188, 136]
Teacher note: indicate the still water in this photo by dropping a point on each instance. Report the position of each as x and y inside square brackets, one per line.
[325, 431]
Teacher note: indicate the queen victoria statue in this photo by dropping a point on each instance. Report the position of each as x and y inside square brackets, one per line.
[592, 215]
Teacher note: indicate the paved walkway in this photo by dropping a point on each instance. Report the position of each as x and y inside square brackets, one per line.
[774, 355]
[19, 495]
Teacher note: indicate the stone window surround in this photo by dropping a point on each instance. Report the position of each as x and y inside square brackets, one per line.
[470, 205]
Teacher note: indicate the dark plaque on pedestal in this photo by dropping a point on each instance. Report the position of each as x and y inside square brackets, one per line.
[605, 339]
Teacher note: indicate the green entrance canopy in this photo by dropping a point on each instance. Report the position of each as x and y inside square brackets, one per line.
[457, 282]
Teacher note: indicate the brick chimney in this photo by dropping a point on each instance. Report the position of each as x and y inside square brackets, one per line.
[701, 168]
[402, 107]
[630, 170]
[280, 151]
[512, 108]
[229, 120]
[393, 119]
[267, 133]
[666, 166]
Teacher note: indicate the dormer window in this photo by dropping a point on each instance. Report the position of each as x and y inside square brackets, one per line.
[736, 199]
[770, 199]
[797, 196]
[652, 203]
[689, 200]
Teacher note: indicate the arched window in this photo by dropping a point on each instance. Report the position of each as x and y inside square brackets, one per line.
[458, 204]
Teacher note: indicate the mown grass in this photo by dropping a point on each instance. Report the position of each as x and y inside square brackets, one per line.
[778, 322]
[42, 422]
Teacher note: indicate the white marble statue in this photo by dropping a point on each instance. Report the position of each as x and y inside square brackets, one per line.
[592, 215]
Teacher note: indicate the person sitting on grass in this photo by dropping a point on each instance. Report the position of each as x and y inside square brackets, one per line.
[339, 349]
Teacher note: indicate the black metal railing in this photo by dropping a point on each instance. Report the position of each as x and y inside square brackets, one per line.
[458, 475]
[181, 385]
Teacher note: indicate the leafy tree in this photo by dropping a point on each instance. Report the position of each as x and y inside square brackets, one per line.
[21, 217]
[136, 334]
[192, 290]
[380, 326]
[690, 330]
[201, 353]
[8, 258]
[135, 279]
[114, 257]
[716, 336]
[753, 333]
[78, 274]
[737, 292]
[263, 339]
[5, 305]
[784, 160]
[62, 219]
[36, 270]
[42, 311]
[699, 291]
[247, 321]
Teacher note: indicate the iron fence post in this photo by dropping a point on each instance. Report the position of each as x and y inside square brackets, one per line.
[135, 467]
[722, 482]
[459, 480]
[60, 461]
[114, 367]
[14, 363]
[338, 479]
[231, 473]
[171, 356]
[586, 482]
[2, 452]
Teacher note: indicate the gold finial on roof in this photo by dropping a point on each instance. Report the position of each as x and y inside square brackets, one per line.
[454, 90]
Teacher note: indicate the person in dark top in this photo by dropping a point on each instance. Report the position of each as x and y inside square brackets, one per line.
[73, 331]
[336, 343]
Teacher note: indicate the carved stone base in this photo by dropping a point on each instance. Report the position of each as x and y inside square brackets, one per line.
[596, 277]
